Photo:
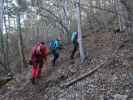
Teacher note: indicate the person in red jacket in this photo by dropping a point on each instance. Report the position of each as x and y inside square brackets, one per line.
[39, 55]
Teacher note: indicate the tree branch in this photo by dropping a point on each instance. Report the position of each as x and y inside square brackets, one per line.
[57, 18]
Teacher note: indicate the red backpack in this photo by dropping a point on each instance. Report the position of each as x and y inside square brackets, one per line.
[37, 50]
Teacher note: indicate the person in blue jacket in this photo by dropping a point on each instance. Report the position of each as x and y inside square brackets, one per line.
[55, 46]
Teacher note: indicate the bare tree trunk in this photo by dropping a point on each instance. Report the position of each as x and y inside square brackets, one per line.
[119, 16]
[54, 17]
[1, 36]
[7, 37]
[127, 13]
[7, 30]
[6, 45]
[82, 55]
[122, 15]
[1, 25]
[21, 46]
[37, 32]
[67, 36]
[33, 33]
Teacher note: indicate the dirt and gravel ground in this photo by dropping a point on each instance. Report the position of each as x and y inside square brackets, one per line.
[112, 81]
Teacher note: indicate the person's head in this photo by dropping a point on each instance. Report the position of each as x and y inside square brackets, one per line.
[40, 42]
[57, 39]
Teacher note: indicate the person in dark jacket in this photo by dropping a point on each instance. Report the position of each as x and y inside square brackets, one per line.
[74, 39]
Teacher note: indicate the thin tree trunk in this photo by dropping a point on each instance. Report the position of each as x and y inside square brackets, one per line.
[127, 14]
[7, 30]
[122, 15]
[6, 46]
[21, 46]
[7, 37]
[1, 35]
[67, 36]
[1, 25]
[82, 55]
[119, 16]
[54, 17]
[37, 32]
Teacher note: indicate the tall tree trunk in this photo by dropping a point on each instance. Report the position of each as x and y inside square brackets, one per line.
[7, 37]
[1, 26]
[67, 36]
[82, 55]
[20, 43]
[1, 35]
[7, 30]
[127, 14]
[6, 45]
[37, 32]
[119, 16]
[122, 15]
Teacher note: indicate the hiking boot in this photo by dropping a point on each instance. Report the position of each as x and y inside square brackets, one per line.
[39, 77]
[53, 63]
[32, 80]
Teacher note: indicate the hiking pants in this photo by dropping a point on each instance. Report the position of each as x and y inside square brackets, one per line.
[37, 68]
[55, 53]
[74, 50]
[35, 71]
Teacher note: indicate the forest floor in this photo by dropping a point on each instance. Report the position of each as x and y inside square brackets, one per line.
[113, 80]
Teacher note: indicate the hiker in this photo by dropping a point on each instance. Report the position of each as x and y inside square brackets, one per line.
[55, 47]
[39, 55]
[74, 39]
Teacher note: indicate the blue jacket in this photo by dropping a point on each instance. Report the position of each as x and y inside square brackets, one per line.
[54, 44]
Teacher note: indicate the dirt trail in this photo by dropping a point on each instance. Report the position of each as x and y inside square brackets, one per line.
[108, 83]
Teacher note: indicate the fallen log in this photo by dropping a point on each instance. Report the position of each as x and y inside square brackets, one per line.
[83, 76]
[105, 63]
[4, 80]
